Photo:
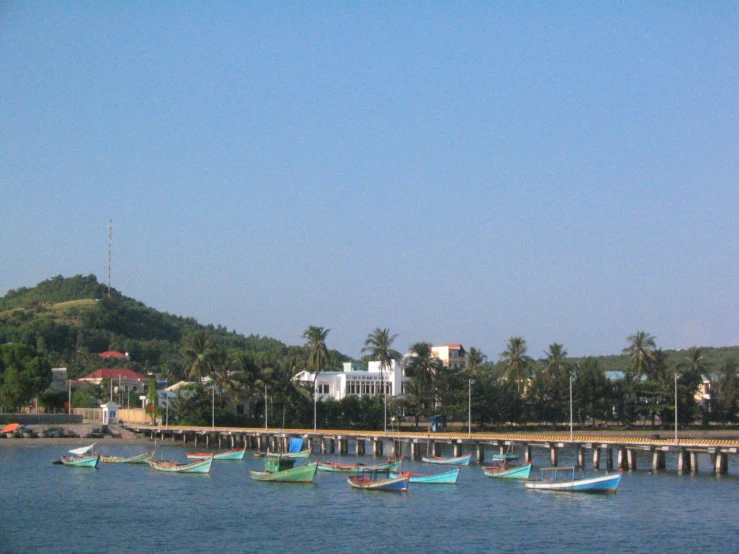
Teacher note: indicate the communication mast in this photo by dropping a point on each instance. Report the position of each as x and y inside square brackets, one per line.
[110, 249]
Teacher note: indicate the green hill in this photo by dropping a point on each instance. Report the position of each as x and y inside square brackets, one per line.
[73, 319]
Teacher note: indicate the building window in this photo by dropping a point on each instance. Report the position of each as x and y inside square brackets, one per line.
[323, 389]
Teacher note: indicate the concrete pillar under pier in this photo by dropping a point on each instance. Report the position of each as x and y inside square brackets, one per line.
[480, 452]
[220, 440]
[397, 449]
[527, 453]
[631, 458]
[360, 447]
[683, 461]
[609, 459]
[324, 449]
[658, 459]
[580, 456]
[343, 447]
[693, 462]
[415, 451]
[232, 441]
[377, 447]
[553, 456]
[596, 457]
[623, 462]
[721, 465]
[207, 440]
[435, 449]
[457, 449]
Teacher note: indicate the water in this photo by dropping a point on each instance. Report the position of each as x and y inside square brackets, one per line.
[132, 508]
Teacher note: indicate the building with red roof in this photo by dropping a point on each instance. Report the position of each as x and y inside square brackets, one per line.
[114, 354]
[121, 376]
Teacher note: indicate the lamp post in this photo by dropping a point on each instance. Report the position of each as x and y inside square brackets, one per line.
[677, 441]
[571, 432]
[469, 410]
[266, 408]
[213, 408]
[166, 413]
[384, 388]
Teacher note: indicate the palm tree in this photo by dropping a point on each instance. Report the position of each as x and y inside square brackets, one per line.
[694, 367]
[475, 358]
[378, 344]
[640, 351]
[318, 356]
[198, 352]
[422, 369]
[516, 364]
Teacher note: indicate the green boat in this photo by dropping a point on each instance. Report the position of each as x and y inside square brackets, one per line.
[283, 470]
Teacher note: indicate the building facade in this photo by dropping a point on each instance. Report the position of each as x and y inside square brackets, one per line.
[354, 380]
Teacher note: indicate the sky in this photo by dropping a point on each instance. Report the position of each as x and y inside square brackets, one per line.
[457, 172]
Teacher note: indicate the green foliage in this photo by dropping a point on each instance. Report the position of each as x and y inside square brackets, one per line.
[24, 373]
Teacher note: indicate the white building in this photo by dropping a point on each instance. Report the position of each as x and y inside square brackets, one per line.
[355, 380]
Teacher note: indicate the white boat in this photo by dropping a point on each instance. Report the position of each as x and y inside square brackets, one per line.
[563, 479]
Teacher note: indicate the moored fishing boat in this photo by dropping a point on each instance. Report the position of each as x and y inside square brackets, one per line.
[390, 465]
[81, 457]
[283, 470]
[443, 478]
[295, 450]
[138, 459]
[237, 454]
[563, 479]
[506, 466]
[375, 481]
[452, 461]
[198, 466]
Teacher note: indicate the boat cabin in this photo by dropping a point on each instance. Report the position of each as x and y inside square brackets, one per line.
[279, 463]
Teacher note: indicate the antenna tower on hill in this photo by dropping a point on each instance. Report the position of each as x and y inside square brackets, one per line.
[110, 250]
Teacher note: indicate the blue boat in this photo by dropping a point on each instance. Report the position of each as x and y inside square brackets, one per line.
[453, 461]
[442, 478]
[507, 466]
[563, 479]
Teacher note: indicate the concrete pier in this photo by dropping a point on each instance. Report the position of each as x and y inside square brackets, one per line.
[684, 452]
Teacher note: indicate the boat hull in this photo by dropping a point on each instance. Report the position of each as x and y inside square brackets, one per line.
[603, 484]
[518, 472]
[444, 478]
[358, 468]
[227, 455]
[140, 459]
[300, 474]
[81, 461]
[293, 455]
[391, 484]
[454, 461]
[199, 466]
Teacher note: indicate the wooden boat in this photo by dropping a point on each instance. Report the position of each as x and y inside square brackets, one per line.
[295, 450]
[237, 454]
[566, 481]
[390, 465]
[374, 480]
[138, 459]
[506, 466]
[294, 455]
[453, 461]
[198, 466]
[443, 478]
[283, 470]
[81, 457]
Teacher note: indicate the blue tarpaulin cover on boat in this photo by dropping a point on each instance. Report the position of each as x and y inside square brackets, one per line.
[296, 445]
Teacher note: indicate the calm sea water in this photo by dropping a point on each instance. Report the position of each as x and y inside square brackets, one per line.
[132, 508]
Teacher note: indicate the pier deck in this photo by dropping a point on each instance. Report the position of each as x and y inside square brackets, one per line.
[625, 448]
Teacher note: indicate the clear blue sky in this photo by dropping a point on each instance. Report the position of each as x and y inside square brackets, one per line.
[458, 172]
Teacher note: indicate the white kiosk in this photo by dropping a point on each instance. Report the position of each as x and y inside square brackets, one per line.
[110, 412]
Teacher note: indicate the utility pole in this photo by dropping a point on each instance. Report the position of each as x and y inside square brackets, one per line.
[110, 250]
